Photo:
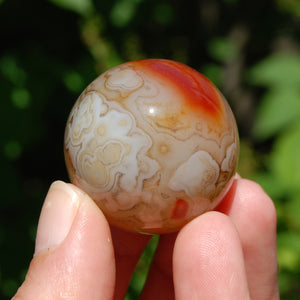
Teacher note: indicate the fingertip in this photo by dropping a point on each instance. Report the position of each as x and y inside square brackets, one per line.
[199, 235]
[251, 204]
[252, 193]
[208, 260]
[74, 249]
[246, 197]
[237, 176]
[254, 215]
[57, 215]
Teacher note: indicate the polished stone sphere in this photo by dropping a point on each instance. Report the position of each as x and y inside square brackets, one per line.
[154, 143]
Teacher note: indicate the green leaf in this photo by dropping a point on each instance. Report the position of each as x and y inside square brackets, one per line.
[292, 209]
[278, 108]
[12, 150]
[73, 81]
[290, 6]
[222, 49]
[288, 250]
[82, 7]
[9, 287]
[123, 12]
[213, 72]
[276, 70]
[269, 183]
[163, 13]
[285, 158]
[21, 98]
[12, 71]
[139, 276]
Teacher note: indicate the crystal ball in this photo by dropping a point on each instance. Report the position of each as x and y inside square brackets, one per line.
[154, 143]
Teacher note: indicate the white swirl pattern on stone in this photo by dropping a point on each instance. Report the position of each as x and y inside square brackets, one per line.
[110, 154]
[196, 176]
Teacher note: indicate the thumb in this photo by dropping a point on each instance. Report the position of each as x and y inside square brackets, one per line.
[73, 256]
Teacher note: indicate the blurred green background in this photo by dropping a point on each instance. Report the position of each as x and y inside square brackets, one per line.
[51, 50]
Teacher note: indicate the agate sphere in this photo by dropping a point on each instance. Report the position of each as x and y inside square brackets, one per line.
[154, 143]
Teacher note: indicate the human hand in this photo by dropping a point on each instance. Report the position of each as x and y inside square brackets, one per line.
[225, 254]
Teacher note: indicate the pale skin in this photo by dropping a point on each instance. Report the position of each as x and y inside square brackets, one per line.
[229, 253]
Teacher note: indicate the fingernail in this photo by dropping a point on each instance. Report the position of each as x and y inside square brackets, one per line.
[237, 176]
[57, 215]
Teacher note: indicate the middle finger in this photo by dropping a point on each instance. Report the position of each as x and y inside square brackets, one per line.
[128, 248]
[159, 284]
